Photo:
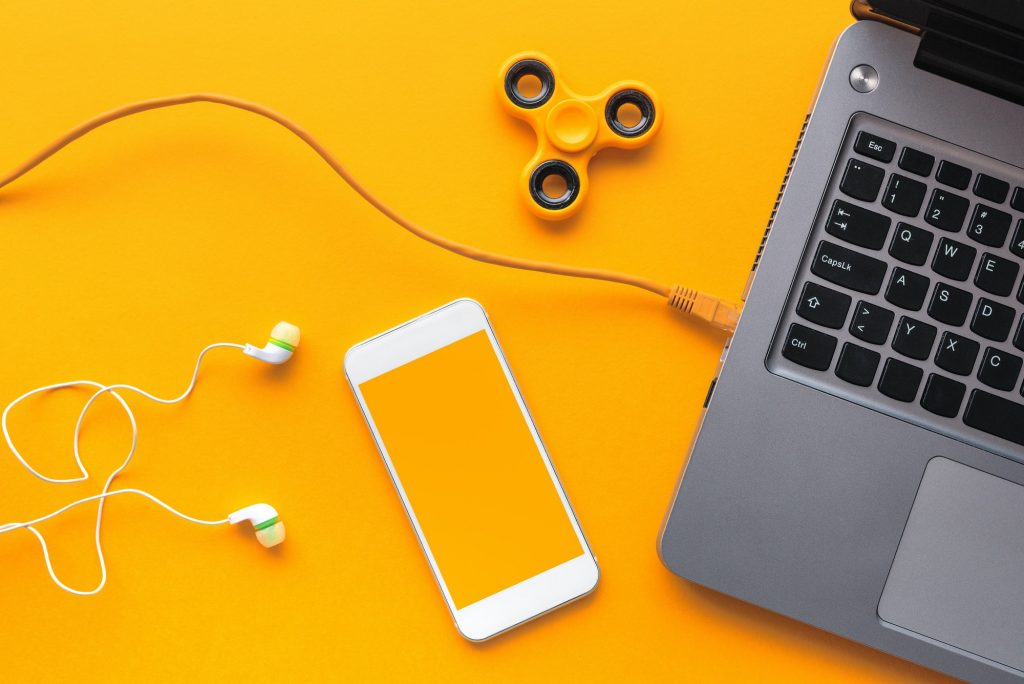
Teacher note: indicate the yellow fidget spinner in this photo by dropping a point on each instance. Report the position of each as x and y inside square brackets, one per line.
[571, 129]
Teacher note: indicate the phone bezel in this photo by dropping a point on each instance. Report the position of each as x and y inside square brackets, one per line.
[529, 598]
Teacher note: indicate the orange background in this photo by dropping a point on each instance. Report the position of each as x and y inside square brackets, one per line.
[135, 247]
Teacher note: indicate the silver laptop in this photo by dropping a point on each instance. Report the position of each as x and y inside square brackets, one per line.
[860, 462]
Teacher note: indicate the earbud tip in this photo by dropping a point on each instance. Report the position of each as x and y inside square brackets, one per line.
[271, 536]
[287, 333]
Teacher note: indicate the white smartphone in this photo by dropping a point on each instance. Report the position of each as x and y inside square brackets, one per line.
[471, 470]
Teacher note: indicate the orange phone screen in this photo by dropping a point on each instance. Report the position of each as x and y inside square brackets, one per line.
[471, 470]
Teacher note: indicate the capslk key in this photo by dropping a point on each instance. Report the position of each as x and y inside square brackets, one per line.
[848, 268]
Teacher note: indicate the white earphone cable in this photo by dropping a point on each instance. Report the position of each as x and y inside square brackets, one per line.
[84, 474]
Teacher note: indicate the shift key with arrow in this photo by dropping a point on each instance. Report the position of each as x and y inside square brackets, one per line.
[823, 305]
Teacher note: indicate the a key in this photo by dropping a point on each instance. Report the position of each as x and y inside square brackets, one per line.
[808, 347]
[916, 161]
[946, 210]
[900, 380]
[992, 189]
[857, 365]
[823, 305]
[871, 145]
[953, 259]
[862, 180]
[996, 275]
[996, 416]
[914, 338]
[871, 323]
[953, 174]
[957, 354]
[847, 268]
[904, 195]
[911, 244]
[989, 226]
[992, 320]
[858, 225]
[949, 304]
[906, 289]
[943, 396]
[999, 369]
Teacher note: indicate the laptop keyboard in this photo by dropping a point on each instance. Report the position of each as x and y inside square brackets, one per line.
[909, 295]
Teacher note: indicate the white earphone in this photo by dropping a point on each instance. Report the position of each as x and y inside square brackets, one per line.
[267, 525]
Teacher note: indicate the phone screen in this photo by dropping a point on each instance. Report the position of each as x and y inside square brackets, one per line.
[476, 481]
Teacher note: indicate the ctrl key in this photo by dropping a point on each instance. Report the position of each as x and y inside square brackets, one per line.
[808, 347]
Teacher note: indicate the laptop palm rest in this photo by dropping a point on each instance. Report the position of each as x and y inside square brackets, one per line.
[958, 575]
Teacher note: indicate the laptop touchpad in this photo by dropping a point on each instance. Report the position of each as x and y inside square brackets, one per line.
[958, 576]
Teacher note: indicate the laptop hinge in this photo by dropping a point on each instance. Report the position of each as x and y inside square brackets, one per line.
[971, 65]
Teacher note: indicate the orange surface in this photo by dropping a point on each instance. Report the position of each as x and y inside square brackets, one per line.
[470, 469]
[126, 254]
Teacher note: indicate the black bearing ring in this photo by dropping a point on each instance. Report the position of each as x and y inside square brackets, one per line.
[560, 168]
[529, 67]
[633, 97]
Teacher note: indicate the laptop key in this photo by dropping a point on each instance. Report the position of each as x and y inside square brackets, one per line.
[999, 369]
[1017, 201]
[996, 275]
[916, 161]
[871, 323]
[946, 210]
[823, 305]
[847, 268]
[949, 304]
[1018, 337]
[862, 180]
[953, 259]
[900, 380]
[809, 348]
[907, 289]
[911, 244]
[989, 226]
[996, 416]
[990, 188]
[953, 174]
[858, 225]
[957, 354]
[943, 396]
[857, 365]
[1017, 243]
[992, 320]
[914, 338]
[904, 195]
[870, 145]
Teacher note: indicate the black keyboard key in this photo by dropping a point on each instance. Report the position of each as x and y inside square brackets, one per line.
[989, 226]
[957, 354]
[847, 268]
[1018, 338]
[871, 323]
[946, 210]
[996, 416]
[916, 161]
[953, 259]
[904, 195]
[953, 174]
[857, 365]
[808, 347]
[1017, 201]
[943, 396]
[907, 290]
[911, 244]
[992, 189]
[1017, 244]
[996, 274]
[914, 338]
[900, 380]
[823, 306]
[992, 320]
[862, 180]
[858, 225]
[870, 145]
[999, 369]
[949, 304]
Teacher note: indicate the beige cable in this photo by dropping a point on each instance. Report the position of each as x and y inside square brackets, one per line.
[707, 307]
